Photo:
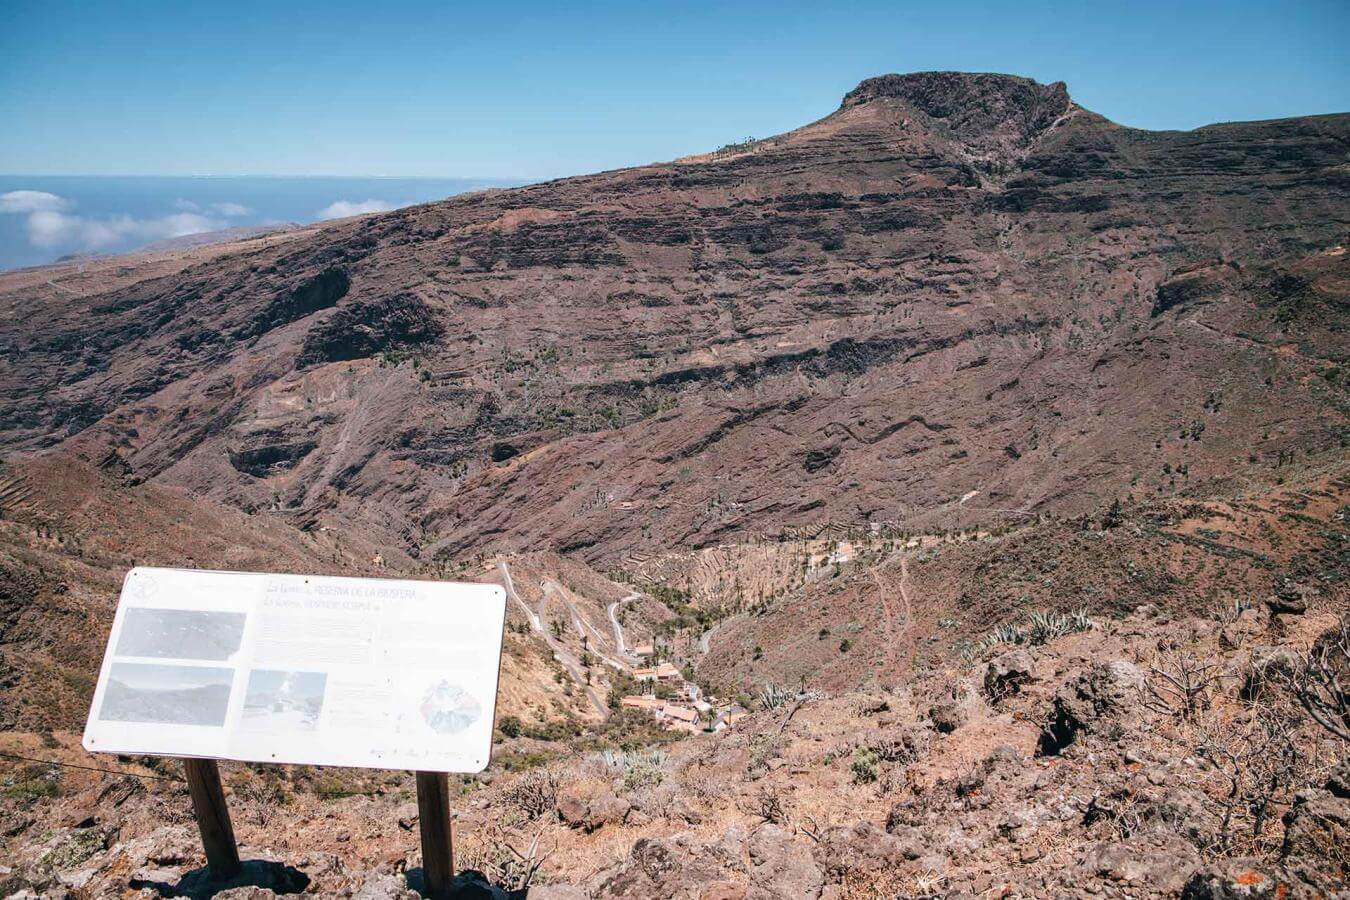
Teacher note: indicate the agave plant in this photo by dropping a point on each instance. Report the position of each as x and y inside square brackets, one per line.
[774, 696]
[1042, 626]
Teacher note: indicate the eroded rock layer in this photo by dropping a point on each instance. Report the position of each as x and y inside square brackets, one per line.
[955, 299]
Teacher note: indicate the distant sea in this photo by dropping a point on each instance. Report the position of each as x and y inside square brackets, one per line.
[45, 218]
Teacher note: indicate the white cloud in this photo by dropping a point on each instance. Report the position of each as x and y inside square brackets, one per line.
[231, 209]
[48, 228]
[343, 208]
[225, 209]
[31, 202]
[179, 224]
[51, 224]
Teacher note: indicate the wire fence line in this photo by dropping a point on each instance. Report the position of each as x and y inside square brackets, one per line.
[66, 765]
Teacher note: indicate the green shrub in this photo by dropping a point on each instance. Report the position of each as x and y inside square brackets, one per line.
[866, 766]
[31, 783]
[639, 769]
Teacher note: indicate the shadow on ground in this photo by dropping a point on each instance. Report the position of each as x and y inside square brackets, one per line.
[468, 885]
[198, 884]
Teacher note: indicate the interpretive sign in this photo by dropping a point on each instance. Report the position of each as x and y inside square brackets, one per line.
[367, 672]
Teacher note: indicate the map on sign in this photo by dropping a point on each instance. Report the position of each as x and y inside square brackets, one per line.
[301, 669]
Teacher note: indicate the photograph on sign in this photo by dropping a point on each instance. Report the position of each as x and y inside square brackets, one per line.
[180, 633]
[167, 695]
[366, 672]
[283, 701]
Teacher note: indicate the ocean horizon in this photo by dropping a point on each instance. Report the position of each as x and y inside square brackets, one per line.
[47, 218]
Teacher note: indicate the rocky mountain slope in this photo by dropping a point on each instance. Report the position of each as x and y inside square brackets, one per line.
[953, 284]
[69, 533]
[1070, 766]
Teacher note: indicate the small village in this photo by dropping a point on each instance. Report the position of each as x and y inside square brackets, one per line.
[676, 703]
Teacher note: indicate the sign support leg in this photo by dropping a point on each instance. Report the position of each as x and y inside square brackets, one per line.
[213, 818]
[433, 816]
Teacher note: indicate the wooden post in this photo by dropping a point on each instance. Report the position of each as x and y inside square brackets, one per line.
[433, 817]
[213, 818]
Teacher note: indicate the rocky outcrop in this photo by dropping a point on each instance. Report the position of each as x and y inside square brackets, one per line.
[365, 328]
[1317, 840]
[662, 870]
[1008, 673]
[1105, 691]
[983, 110]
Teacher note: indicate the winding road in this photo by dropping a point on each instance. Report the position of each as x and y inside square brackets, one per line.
[565, 658]
[612, 609]
[582, 626]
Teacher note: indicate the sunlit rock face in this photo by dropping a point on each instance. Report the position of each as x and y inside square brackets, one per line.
[952, 283]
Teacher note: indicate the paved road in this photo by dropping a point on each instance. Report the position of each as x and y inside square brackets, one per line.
[618, 629]
[703, 640]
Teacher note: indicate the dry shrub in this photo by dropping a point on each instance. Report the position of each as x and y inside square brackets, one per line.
[509, 859]
[1181, 686]
[1256, 761]
[1321, 683]
[767, 803]
[867, 705]
[887, 884]
[534, 794]
[764, 748]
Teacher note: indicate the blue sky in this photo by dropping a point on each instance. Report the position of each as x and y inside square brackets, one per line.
[531, 90]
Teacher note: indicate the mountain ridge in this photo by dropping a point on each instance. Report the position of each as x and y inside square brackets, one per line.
[435, 373]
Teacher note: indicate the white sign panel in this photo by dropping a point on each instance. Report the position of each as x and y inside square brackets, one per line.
[301, 669]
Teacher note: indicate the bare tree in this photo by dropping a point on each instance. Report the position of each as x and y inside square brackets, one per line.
[1259, 765]
[1320, 684]
[1180, 686]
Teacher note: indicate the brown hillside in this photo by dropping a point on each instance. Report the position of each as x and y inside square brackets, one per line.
[954, 283]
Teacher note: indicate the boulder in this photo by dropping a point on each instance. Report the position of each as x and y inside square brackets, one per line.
[557, 892]
[1103, 692]
[1338, 782]
[1288, 601]
[256, 874]
[572, 811]
[863, 847]
[1158, 862]
[1266, 666]
[607, 810]
[385, 887]
[1247, 625]
[592, 814]
[906, 814]
[948, 716]
[1317, 840]
[781, 865]
[1241, 879]
[1007, 673]
[659, 869]
[471, 885]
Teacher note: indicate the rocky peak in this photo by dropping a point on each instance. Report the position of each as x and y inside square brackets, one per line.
[971, 106]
